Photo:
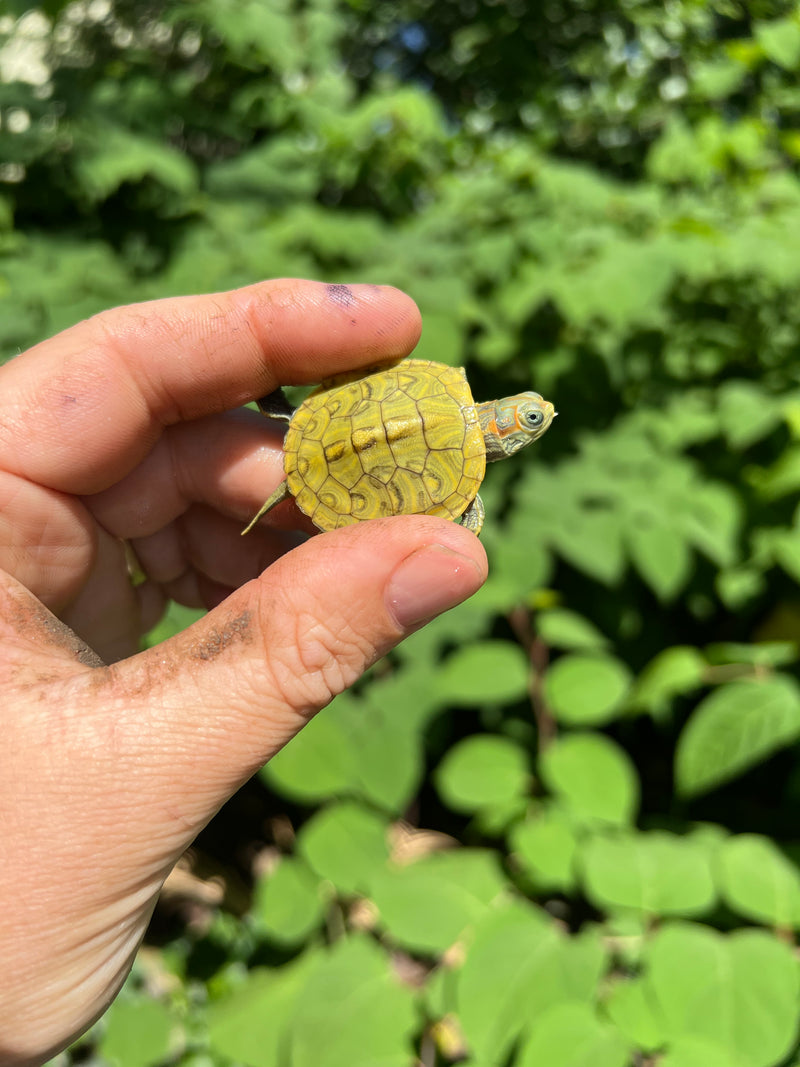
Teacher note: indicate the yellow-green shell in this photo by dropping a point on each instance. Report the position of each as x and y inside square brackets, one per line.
[404, 440]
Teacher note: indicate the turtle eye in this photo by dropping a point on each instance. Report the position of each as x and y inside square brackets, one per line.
[533, 418]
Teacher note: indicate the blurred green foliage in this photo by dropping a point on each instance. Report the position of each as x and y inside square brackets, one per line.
[557, 828]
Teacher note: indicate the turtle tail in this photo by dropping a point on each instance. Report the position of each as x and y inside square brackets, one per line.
[281, 493]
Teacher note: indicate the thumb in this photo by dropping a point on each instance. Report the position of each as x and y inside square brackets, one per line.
[231, 690]
[110, 772]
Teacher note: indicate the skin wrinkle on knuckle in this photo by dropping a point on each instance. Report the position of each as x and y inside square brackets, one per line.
[332, 649]
[301, 685]
[12, 427]
[216, 328]
[322, 651]
[115, 328]
[313, 662]
[253, 310]
[128, 322]
[179, 470]
[112, 341]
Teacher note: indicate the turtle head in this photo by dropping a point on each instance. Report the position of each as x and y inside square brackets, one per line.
[513, 422]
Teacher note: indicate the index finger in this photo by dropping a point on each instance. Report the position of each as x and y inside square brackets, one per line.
[79, 411]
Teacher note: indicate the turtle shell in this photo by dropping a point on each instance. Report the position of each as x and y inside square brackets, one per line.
[403, 440]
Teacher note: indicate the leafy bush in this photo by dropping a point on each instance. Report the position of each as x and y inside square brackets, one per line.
[556, 827]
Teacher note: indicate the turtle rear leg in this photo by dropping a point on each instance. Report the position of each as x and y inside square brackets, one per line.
[275, 406]
[272, 501]
[473, 517]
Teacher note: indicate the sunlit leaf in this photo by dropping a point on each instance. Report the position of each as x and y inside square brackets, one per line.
[700, 1052]
[633, 1012]
[546, 845]
[673, 672]
[139, 1032]
[482, 771]
[573, 1035]
[586, 689]
[593, 777]
[485, 672]
[249, 1024]
[734, 727]
[352, 998]
[759, 881]
[747, 412]
[661, 556]
[346, 844]
[288, 902]
[741, 991]
[654, 872]
[371, 750]
[517, 966]
[426, 905]
[780, 40]
[561, 628]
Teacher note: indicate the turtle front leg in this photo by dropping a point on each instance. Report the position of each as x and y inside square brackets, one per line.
[473, 517]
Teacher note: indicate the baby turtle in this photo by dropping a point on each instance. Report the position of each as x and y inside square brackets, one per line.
[406, 439]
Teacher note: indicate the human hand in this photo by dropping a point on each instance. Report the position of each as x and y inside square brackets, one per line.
[121, 430]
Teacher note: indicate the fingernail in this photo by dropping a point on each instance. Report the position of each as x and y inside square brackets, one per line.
[428, 582]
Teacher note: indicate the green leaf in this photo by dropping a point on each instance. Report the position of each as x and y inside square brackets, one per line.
[368, 748]
[249, 1024]
[759, 653]
[519, 564]
[482, 772]
[655, 872]
[318, 763]
[673, 672]
[584, 961]
[571, 1035]
[699, 1052]
[486, 672]
[438, 995]
[442, 339]
[717, 79]
[252, 32]
[593, 292]
[712, 522]
[561, 628]
[345, 843]
[734, 728]
[546, 845]
[759, 881]
[288, 902]
[780, 479]
[273, 169]
[740, 991]
[661, 555]
[593, 777]
[113, 155]
[785, 548]
[737, 586]
[586, 689]
[139, 1032]
[517, 967]
[427, 905]
[352, 1009]
[780, 40]
[633, 1012]
[386, 738]
[593, 542]
[747, 413]
[629, 932]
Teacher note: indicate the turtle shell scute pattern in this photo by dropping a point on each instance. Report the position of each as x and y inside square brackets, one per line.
[402, 440]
